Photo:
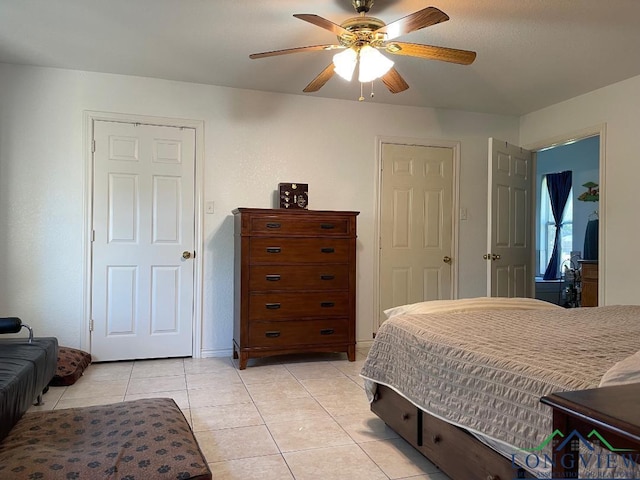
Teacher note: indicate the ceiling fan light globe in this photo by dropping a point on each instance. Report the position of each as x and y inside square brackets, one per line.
[372, 64]
[345, 63]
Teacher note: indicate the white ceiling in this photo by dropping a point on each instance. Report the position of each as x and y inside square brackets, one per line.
[531, 53]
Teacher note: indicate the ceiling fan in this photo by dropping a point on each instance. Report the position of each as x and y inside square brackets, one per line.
[361, 39]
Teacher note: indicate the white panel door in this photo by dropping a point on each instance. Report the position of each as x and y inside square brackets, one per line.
[509, 244]
[143, 222]
[416, 225]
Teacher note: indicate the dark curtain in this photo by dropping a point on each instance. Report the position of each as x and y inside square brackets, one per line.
[559, 186]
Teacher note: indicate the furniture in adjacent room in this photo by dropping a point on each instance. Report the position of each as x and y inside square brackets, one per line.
[295, 282]
[612, 412]
[589, 283]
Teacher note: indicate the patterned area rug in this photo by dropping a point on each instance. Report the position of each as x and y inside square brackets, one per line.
[139, 440]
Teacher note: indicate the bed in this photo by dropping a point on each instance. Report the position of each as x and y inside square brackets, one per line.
[462, 380]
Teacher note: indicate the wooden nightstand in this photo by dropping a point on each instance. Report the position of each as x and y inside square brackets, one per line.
[611, 411]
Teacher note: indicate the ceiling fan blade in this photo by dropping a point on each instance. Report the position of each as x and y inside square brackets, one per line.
[445, 54]
[394, 81]
[318, 82]
[417, 20]
[323, 23]
[311, 48]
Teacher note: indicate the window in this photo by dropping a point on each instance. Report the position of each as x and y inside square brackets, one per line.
[548, 230]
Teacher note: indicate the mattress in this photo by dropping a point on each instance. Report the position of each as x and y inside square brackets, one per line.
[486, 370]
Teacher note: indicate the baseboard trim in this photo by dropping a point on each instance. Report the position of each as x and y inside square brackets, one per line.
[215, 353]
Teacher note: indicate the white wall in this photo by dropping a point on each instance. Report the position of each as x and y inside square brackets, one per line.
[617, 106]
[253, 141]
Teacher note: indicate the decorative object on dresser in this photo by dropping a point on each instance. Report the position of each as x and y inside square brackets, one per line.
[294, 195]
[295, 282]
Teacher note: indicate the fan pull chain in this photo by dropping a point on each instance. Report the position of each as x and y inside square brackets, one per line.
[361, 98]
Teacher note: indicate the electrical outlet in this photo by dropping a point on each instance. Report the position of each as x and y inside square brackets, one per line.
[463, 214]
[209, 207]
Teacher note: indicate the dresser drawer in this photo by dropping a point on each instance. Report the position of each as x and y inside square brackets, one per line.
[295, 277]
[273, 306]
[298, 250]
[299, 225]
[305, 332]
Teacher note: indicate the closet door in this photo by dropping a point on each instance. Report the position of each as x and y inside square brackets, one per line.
[143, 247]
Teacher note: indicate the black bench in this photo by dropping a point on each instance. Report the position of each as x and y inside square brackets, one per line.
[27, 365]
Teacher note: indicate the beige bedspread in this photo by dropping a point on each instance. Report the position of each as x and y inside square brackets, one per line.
[486, 370]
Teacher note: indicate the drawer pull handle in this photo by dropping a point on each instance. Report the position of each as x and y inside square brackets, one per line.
[436, 439]
[272, 278]
[272, 306]
[327, 304]
[327, 250]
[327, 277]
[405, 416]
[272, 334]
[327, 331]
[273, 249]
[327, 226]
[273, 225]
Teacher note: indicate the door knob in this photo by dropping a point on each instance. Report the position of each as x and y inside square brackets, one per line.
[446, 259]
[186, 254]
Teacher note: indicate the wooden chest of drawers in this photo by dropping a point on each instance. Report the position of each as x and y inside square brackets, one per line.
[589, 283]
[295, 282]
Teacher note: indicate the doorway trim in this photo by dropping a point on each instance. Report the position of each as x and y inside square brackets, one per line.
[562, 139]
[89, 117]
[422, 142]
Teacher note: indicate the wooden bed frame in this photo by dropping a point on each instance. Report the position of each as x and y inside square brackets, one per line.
[452, 449]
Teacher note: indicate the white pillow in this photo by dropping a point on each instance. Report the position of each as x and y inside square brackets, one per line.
[469, 305]
[625, 371]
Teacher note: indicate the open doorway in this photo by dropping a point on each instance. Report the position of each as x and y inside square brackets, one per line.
[579, 226]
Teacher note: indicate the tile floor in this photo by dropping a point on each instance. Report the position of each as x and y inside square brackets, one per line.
[295, 417]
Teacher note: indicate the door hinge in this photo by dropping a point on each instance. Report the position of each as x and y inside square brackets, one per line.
[93, 146]
[93, 236]
[91, 325]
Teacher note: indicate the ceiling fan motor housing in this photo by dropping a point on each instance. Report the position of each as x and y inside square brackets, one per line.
[362, 6]
[362, 31]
